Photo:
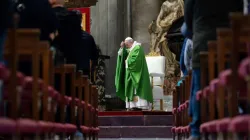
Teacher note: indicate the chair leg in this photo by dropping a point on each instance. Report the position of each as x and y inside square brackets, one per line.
[161, 104]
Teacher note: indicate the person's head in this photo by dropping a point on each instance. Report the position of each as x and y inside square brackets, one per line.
[56, 2]
[129, 42]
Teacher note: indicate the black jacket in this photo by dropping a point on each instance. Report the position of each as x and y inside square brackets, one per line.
[5, 13]
[38, 14]
[203, 17]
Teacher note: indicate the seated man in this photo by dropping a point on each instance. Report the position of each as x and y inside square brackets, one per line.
[132, 78]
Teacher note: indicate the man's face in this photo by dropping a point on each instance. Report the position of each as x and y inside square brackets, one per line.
[128, 44]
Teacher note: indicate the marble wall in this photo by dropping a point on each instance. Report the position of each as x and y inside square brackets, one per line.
[143, 13]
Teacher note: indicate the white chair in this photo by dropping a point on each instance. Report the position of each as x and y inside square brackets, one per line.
[156, 69]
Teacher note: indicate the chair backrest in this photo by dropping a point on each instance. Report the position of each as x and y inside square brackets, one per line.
[156, 64]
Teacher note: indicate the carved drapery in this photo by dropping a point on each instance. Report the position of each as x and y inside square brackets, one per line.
[171, 10]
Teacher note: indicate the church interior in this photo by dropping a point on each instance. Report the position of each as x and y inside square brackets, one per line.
[59, 73]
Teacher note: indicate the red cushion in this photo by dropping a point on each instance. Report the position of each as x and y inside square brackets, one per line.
[52, 92]
[27, 126]
[96, 130]
[212, 126]
[214, 85]
[85, 129]
[240, 124]
[198, 95]
[173, 129]
[224, 80]
[178, 109]
[45, 127]
[204, 128]
[20, 78]
[178, 130]
[4, 72]
[223, 125]
[7, 126]
[70, 128]
[224, 77]
[67, 100]
[28, 82]
[92, 109]
[78, 102]
[83, 104]
[59, 128]
[244, 68]
[206, 92]
[174, 111]
[89, 107]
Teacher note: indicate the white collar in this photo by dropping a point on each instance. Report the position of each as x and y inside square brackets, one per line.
[133, 46]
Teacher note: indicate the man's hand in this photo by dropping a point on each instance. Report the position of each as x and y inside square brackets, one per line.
[122, 44]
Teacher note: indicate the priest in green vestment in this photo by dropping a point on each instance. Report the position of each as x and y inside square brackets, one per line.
[132, 79]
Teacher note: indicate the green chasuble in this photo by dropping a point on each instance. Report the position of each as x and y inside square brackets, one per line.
[133, 78]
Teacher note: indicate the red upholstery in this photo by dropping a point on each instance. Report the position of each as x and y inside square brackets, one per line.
[181, 108]
[96, 130]
[214, 85]
[178, 130]
[198, 95]
[7, 126]
[187, 129]
[78, 102]
[204, 128]
[52, 92]
[27, 126]
[206, 92]
[92, 109]
[223, 125]
[28, 82]
[70, 128]
[224, 80]
[173, 129]
[83, 104]
[89, 107]
[45, 127]
[67, 100]
[174, 111]
[212, 126]
[4, 72]
[59, 128]
[224, 77]
[20, 78]
[85, 129]
[240, 124]
[244, 68]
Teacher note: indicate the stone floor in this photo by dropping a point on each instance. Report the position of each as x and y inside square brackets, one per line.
[135, 139]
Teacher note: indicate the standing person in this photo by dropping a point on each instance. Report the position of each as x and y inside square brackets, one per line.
[132, 78]
[5, 20]
[202, 18]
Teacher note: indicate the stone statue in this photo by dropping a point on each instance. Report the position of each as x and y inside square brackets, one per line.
[171, 10]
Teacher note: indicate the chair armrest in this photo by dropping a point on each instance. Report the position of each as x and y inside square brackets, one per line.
[161, 75]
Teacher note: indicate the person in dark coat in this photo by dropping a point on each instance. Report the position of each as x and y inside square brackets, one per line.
[36, 14]
[90, 51]
[5, 20]
[202, 18]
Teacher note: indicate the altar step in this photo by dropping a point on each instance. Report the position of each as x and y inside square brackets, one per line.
[135, 132]
[136, 126]
[143, 120]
